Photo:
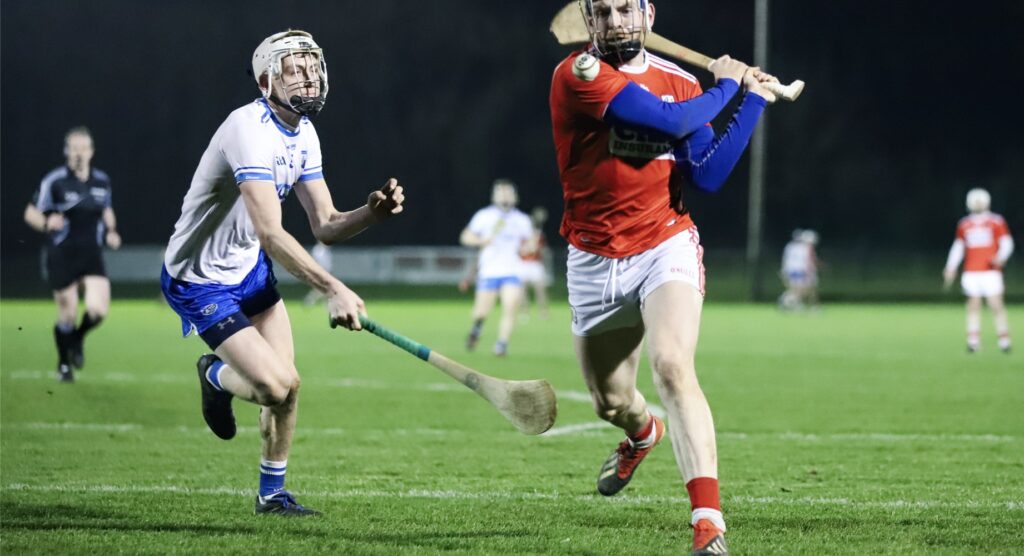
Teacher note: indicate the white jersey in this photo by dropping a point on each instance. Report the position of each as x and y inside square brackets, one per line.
[507, 229]
[214, 240]
[798, 257]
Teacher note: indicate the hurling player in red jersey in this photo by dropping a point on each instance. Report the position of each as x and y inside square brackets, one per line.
[984, 244]
[629, 129]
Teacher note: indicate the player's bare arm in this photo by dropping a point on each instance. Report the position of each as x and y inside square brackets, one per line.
[330, 225]
[112, 238]
[264, 208]
[35, 218]
[469, 239]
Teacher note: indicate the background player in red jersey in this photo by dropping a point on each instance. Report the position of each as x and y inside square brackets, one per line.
[629, 128]
[534, 270]
[985, 239]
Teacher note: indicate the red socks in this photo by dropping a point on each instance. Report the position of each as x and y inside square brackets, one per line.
[704, 493]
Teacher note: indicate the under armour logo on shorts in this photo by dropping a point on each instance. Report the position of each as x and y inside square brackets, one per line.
[225, 322]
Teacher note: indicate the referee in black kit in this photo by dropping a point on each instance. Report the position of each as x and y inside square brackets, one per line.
[72, 207]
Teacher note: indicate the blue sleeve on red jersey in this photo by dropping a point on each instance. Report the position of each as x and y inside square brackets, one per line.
[706, 160]
[636, 109]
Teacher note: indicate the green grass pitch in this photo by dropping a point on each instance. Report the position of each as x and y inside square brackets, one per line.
[864, 429]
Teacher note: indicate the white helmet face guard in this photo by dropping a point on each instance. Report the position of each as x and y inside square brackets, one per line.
[307, 91]
[616, 45]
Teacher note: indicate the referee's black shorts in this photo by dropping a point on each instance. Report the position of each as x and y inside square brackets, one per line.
[65, 265]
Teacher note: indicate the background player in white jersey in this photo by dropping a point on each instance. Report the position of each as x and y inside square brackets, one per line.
[984, 244]
[800, 271]
[499, 230]
[217, 274]
[73, 208]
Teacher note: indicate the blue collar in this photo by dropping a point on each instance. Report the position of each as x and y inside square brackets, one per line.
[280, 125]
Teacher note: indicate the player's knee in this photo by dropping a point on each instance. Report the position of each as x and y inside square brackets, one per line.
[271, 393]
[675, 371]
[610, 407]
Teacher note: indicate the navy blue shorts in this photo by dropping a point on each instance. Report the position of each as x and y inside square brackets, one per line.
[217, 311]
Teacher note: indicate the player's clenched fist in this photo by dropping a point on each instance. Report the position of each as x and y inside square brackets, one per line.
[728, 68]
[387, 201]
[344, 308]
[754, 80]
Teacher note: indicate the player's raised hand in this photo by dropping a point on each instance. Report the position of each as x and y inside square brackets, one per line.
[344, 308]
[754, 80]
[387, 201]
[728, 68]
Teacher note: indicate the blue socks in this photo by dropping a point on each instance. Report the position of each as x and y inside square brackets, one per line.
[272, 477]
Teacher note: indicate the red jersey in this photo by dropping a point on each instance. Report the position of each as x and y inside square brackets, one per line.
[981, 234]
[535, 256]
[622, 189]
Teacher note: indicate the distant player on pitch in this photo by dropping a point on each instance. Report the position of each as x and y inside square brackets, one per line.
[499, 231]
[629, 129]
[799, 272]
[534, 270]
[984, 244]
[217, 271]
[73, 208]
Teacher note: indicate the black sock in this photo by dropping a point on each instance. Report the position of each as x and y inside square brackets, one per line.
[63, 340]
[478, 325]
[88, 323]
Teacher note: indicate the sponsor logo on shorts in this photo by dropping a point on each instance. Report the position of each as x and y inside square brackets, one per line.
[225, 322]
[209, 309]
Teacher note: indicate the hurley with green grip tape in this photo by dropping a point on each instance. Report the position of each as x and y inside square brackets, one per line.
[530, 405]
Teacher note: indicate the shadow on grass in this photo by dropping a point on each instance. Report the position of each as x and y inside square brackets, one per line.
[68, 518]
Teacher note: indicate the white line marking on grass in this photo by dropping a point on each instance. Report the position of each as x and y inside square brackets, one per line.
[572, 429]
[99, 427]
[592, 428]
[584, 429]
[182, 429]
[1013, 505]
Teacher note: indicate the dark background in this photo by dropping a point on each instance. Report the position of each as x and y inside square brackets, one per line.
[908, 105]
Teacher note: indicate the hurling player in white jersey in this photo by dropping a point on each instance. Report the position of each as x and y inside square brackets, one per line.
[217, 271]
[500, 231]
[800, 271]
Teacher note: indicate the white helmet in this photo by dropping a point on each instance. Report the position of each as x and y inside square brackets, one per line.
[267, 60]
[809, 236]
[978, 200]
[618, 50]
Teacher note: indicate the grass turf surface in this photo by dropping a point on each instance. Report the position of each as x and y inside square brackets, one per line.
[863, 429]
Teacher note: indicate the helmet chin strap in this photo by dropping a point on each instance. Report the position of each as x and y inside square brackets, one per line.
[300, 105]
[623, 54]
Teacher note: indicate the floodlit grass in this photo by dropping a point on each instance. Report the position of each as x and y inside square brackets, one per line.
[860, 430]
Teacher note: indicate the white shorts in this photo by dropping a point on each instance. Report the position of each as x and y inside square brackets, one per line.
[607, 294]
[983, 283]
[533, 272]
